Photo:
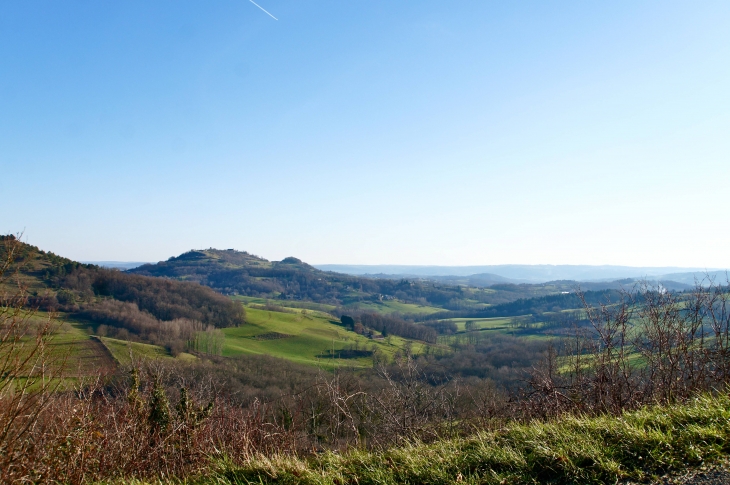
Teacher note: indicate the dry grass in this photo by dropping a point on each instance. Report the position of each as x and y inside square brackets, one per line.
[568, 450]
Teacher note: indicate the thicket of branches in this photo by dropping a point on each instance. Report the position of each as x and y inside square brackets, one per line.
[388, 325]
[28, 370]
[649, 346]
[168, 299]
[363, 322]
[126, 321]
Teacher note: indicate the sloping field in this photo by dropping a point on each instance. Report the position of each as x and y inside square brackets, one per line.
[297, 305]
[71, 347]
[88, 357]
[126, 353]
[497, 323]
[304, 338]
[394, 306]
[384, 307]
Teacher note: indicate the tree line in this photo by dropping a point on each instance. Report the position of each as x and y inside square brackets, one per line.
[364, 322]
[527, 306]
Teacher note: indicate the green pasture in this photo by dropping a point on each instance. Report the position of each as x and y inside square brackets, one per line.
[80, 354]
[486, 327]
[309, 337]
[497, 323]
[70, 347]
[305, 336]
[394, 306]
[126, 353]
[384, 307]
[295, 305]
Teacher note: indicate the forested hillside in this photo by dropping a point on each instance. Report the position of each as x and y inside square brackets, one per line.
[156, 310]
[536, 306]
[239, 273]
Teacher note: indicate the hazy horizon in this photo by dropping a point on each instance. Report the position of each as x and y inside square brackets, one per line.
[514, 273]
[508, 273]
[688, 268]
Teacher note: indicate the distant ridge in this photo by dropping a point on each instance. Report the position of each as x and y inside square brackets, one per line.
[524, 273]
[125, 265]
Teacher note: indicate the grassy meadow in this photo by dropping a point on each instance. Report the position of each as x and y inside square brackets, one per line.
[486, 328]
[385, 307]
[298, 305]
[498, 323]
[82, 354]
[299, 335]
[394, 306]
[304, 337]
[71, 346]
[126, 353]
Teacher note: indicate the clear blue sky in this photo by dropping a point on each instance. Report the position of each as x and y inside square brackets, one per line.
[366, 132]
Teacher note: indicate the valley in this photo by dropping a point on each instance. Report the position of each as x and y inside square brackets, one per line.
[296, 359]
[287, 309]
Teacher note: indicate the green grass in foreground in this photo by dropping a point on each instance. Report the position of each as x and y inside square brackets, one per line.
[569, 450]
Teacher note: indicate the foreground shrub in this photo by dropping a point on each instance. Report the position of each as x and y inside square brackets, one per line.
[567, 450]
[105, 432]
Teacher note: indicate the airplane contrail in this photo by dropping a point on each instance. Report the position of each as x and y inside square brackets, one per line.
[262, 8]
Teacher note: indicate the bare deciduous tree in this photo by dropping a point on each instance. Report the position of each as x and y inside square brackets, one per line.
[29, 373]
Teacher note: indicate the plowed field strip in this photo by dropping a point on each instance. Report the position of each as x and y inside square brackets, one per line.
[85, 357]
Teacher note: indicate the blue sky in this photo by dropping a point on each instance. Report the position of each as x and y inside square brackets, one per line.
[369, 132]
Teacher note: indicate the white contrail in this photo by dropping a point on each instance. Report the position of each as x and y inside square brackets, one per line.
[262, 8]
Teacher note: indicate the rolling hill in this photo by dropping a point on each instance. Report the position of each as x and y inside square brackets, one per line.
[298, 284]
[240, 273]
[308, 338]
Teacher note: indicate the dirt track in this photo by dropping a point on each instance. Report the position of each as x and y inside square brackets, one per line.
[88, 357]
[717, 477]
[104, 358]
[708, 477]
[715, 474]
